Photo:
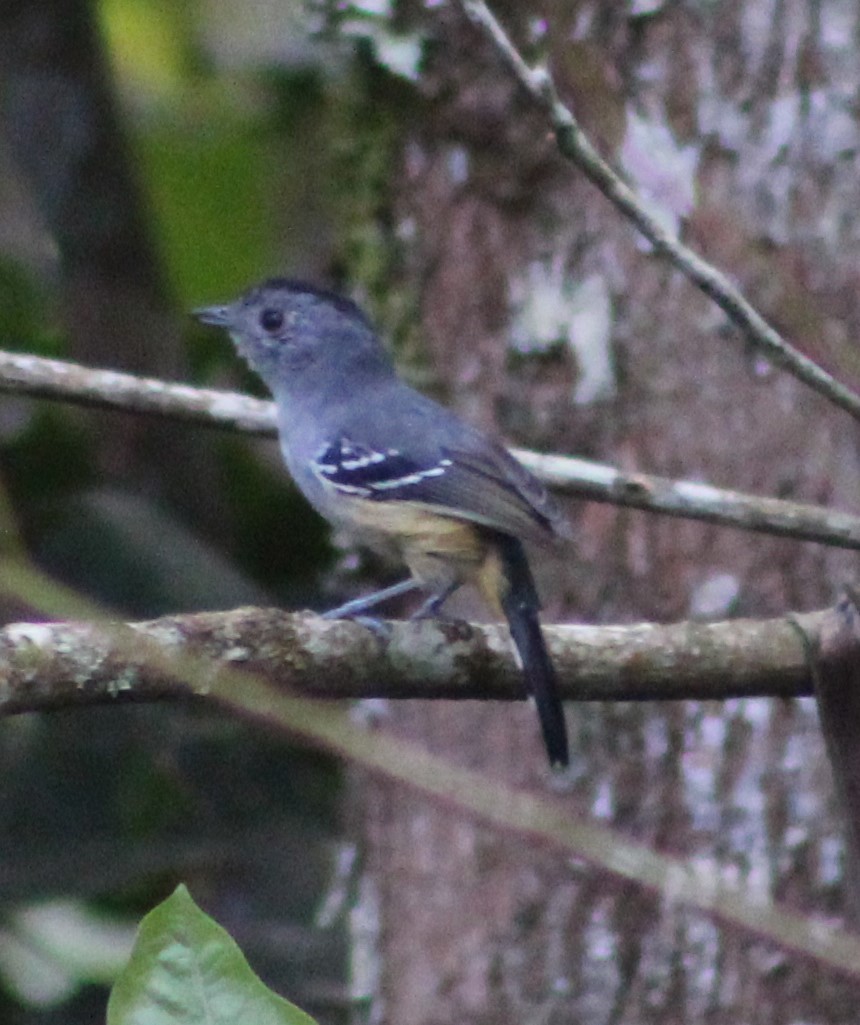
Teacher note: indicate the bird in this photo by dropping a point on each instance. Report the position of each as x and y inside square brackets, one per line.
[398, 470]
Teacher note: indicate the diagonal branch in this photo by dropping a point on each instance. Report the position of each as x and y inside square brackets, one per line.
[574, 144]
[25, 374]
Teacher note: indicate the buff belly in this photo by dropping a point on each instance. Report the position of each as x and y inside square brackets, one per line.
[439, 550]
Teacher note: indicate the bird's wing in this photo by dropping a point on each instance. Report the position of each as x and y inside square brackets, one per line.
[478, 481]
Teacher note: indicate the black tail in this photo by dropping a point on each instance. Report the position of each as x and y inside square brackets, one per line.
[521, 607]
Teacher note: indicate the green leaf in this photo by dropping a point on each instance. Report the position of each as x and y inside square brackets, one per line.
[186, 969]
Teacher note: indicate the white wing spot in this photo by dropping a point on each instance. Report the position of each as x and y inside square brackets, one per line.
[411, 478]
[367, 460]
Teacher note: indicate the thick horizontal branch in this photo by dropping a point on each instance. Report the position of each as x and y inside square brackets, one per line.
[69, 382]
[576, 147]
[45, 665]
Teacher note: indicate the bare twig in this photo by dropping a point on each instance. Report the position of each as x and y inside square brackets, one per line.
[694, 500]
[69, 382]
[45, 665]
[575, 145]
[25, 374]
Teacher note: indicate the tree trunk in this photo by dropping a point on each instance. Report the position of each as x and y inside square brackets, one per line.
[757, 102]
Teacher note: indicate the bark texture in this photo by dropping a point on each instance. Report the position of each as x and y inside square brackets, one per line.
[59, 665]
[757, 101]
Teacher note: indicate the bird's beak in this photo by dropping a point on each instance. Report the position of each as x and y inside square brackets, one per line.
[217, 316]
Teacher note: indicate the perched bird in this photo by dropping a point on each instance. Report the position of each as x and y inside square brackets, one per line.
[394, 467]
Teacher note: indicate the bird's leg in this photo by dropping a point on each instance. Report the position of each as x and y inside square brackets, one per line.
[432, 607]
[357, 608]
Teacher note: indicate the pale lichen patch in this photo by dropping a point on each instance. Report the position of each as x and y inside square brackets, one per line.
[237, 654]
[35, 634]
[125, 680]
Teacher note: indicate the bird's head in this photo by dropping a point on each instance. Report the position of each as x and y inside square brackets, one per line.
[296, 335]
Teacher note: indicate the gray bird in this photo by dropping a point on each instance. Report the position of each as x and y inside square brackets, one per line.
[398, 470]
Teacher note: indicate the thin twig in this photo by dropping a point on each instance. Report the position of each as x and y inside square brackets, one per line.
[69, 382]
[26, 374]
[694, 500]
[575, 145]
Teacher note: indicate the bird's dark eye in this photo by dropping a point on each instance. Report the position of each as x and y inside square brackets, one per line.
[271, 320]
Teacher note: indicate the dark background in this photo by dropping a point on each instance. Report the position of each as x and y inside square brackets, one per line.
[156, 157]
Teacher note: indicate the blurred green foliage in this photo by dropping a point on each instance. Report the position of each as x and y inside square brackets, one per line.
[210, 189]
[261, 147]
[27, 317]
